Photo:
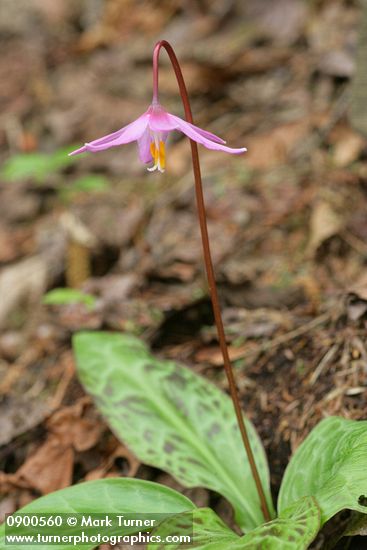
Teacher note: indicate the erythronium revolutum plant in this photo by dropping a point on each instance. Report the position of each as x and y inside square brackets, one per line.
[150, 131]
[174, 419]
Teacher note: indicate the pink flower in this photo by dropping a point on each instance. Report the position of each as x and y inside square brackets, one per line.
[150, 130]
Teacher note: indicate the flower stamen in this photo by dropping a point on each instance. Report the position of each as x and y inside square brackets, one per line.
[162, 156]
[157, 150]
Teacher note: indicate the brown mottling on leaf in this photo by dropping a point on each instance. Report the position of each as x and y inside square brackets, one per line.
[194, 461]
[132, 404]
[180, 405]
[203, 409]
[177, 438]
[109, 390]
[214, 429]
[177, 379]
[274, 531]
[149, 367]
[182, 525]
[148, 435]
[168, 447]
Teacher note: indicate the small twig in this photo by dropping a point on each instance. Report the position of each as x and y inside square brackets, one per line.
[323, 363]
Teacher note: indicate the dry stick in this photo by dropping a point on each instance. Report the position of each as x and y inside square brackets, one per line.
[208, 262]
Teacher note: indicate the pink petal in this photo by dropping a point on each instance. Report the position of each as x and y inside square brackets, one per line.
[78, 151]
[193, 133]
[104, 139]
[160, 120]
[144, 147]
[131, 132]
[207, 134]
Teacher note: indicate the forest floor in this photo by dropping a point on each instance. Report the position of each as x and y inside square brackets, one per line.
[287, 221]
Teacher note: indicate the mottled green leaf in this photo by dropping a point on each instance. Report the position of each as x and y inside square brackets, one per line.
[205, 529]
[106, 496]
[64, 296]
[295, 529]
[331, 465]
[172, 418]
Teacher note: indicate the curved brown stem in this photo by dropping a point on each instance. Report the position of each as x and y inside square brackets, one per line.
[208, 262]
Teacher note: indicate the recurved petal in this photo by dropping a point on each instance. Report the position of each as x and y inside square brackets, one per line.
[131, 132]
[78, 151]
[144, 147]
[195, 134]
[205, 133]
[99, 141]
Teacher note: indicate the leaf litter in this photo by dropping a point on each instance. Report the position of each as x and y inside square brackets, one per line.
[287, 222]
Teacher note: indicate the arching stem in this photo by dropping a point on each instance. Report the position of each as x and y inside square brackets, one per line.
[208, 262]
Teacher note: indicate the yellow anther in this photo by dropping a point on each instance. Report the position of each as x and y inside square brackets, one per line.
[162, 155]
[154, 152]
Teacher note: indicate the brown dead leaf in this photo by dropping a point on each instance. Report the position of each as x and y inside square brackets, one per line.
[260, 60]
[9, 481]
[77, 426]
[114, 223]
[7, 506]
[347, 148]
[13, 243]
[25, 280]
[53, 12]
[273, 147]
[213, 354]
[324, 223]
[19, 414]
[178, 270]
[337, 63]
[283, 22]
[50, 468]
[198, 78]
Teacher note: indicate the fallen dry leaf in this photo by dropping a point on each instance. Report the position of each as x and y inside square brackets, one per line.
[348, 148]
[20, 414]
[50, 468]
[25, 280]
[77, 426]
[273, 147]
[324, 223]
